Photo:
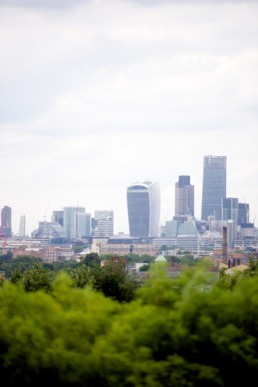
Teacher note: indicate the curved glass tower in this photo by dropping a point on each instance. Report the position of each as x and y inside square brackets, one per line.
[143, 204]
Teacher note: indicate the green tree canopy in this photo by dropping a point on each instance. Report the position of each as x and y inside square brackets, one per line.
[114, 281]
[174, 333]
[91, 260]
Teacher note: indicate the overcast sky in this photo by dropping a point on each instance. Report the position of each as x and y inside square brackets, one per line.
[98, 94]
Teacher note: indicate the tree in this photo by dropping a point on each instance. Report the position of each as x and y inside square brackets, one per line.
[114, 281]
[144, 267]
[6, 257]
[81, 276]
[16, 276]
[188, 260]
[91, 259]
[252, 269]
[22, 262]
[36, 278]
[171, 335]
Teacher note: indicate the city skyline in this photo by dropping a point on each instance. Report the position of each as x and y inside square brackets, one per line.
[184, 179]
[96, 95]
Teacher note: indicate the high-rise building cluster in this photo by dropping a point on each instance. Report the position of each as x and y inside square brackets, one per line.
[143, 206]
[74, 222]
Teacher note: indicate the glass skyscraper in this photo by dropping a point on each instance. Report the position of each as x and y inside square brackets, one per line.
[214, 186]
[6, 222]
[243, 213]
[184, 197]
[230, 209]
[71, 221]
[143, 204]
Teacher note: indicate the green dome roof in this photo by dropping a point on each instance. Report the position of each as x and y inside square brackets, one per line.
[160, 258]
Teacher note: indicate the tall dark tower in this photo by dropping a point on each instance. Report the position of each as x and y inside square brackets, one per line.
[214, 186]
[243, 213]
[184, 197]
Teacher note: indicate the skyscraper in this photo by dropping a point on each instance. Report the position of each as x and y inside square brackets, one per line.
[143, 204]
[214, 186]
[22, 230]
[71, 221]
[229, 212]
[184, 196]
[105, 227]
[84, 225]
[230, 209]
[58, 217]
[103, 223]
[6, 222]
[243, 213]
[99, 214]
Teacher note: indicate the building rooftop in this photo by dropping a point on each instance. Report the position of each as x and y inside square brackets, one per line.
[160, 258]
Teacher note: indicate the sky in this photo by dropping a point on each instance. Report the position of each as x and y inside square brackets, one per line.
[98, 94]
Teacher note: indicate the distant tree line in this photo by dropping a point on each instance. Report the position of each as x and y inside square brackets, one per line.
[7, 264]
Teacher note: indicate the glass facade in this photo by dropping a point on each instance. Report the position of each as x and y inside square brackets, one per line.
[6, 222]
[58, 217]
[230, 209]
[184, 197]
[22, 229]
[243, 213]
[49, 230]
[214, 186]
[143, 204]
[71, 221]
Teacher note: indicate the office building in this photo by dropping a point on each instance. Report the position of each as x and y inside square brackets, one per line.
[58, 217]
[84, 225]
[143, 205]
[184, 197]
[229, 209]
[22, 230]
[6, 222]
[243, 213]
[104, 227]
[229, 213]
[49, 230]
[214, 186]
[71, 221]
[103, 223]
[88, 224]
[100, 214]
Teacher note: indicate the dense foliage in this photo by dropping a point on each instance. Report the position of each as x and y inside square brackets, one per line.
[193, 331]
